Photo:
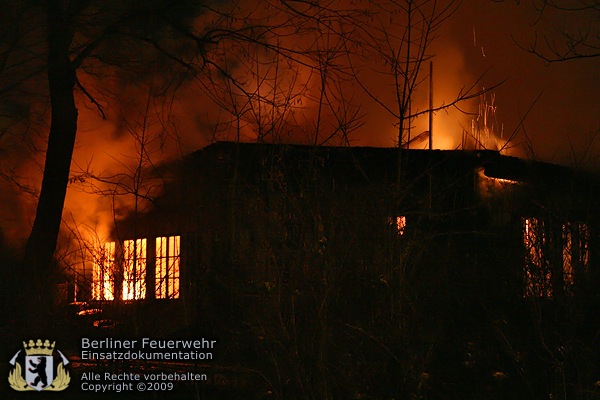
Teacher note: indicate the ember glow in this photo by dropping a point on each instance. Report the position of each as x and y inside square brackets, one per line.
[489, 186]
[400, 225]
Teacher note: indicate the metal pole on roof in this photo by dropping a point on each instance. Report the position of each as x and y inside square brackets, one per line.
[430, 105]
[408, 128]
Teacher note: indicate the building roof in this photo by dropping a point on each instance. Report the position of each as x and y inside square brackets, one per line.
[373, 162]
[207, 175]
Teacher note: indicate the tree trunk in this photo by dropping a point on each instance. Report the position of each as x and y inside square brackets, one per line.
[61, 140]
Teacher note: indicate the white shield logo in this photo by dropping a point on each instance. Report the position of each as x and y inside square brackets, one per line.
[39, 371]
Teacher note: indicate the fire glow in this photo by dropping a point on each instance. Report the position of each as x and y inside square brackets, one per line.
[132, 266]
[574, 257]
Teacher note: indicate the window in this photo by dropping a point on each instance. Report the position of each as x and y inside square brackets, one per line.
[134, 269]
[576, 253]
[102, 280]
[563, 252]
[132, 265]
[398, 224]
[537, 271]
[167, 267]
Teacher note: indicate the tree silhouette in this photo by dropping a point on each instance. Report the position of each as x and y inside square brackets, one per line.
[75, 44]
[580, 38]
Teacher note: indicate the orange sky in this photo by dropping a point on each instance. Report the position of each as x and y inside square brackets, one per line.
[480, 37]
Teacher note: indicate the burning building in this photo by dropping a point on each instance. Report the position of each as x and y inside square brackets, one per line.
[272, 214]
[405, 260]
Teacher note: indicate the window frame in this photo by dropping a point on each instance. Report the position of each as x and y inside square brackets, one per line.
[135, 269]
[167, 271]
[103, 272]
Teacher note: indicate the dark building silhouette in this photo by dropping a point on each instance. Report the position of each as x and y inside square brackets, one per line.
[426, 267]
[222, 201]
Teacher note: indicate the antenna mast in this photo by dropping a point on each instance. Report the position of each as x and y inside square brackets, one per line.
[430, 105]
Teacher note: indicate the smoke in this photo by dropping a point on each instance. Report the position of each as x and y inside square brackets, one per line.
[317, 94]
[249, 93]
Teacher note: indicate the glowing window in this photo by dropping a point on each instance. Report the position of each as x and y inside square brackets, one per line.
[401, 224]
[574, 242]
[102, 280]
[576, 253]
[134, 269]
[398, 224]
[537, 271]
[167, 267]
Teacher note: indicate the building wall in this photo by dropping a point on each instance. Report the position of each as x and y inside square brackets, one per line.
[328, 272]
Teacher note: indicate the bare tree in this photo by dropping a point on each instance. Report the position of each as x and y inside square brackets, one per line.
[83, 39]
[580, 38]
[397, 44]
